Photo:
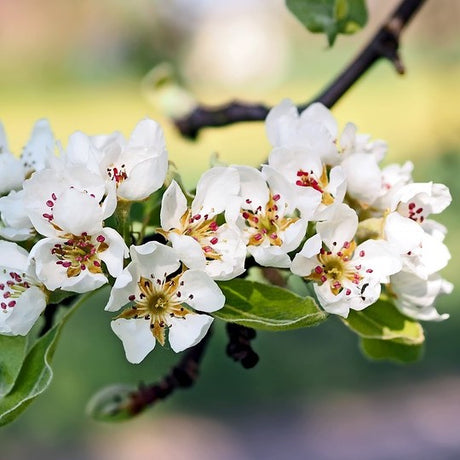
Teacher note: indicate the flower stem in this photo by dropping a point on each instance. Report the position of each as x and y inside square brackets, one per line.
[123, 220]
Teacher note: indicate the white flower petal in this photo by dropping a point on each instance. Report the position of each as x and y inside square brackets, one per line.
[187, 331]
[25, 314]
[138, 340]
[270, 256]
[214, 189]
[201, 292]
[173, 207]
[341, 226]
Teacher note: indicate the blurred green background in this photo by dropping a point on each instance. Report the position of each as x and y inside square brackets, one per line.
[83, 65]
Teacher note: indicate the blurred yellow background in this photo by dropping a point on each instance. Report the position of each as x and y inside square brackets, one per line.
[82, 65]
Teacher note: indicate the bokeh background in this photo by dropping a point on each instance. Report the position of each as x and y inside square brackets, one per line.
[87, 65]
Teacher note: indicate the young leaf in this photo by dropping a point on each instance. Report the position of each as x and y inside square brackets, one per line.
[35, 373]
[266, 307]
[383, 321]
[11, 358]
[391, 350]
[331, 17]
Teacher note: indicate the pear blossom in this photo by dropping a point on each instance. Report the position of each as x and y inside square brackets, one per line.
[22, 296]
[314, 130]
[11, 173]
[136, 167]
[201, 242]
[415, 296]
[421, 252]
[394, 176]
[15, 224]
[418, 200]
[39, 150]
[71, 256]
[345, 275]
[161, 297]
[267, 217]
[317, 189]
[44, 190]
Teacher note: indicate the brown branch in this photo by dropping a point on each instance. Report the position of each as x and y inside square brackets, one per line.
[182, 375]
[384, 44]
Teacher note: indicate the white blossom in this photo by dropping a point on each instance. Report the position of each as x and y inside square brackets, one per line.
[416, 297]
[161, 299]
[346, 275]
[267, 218]
[137, 167]
[15, 224]
[193, 231]
[22, 296]
[71, 256]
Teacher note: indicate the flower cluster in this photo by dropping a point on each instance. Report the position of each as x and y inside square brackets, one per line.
[321, 207]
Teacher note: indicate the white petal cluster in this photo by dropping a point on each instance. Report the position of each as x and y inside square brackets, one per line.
[322, 207]
[372, 223]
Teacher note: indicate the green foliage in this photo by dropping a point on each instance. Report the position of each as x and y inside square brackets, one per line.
[383, 321]
[331, 17]
[24, 379]
[386, 333]
[11, 358]
[391, 350]
[266, 307]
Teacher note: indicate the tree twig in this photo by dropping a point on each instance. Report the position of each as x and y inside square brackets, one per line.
[384, 44]
[182, 375]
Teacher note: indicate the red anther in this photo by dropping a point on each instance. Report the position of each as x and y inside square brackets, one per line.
[369, 270]
[49, 203]
[411, 205]
[207, 249]
[319, 269]
[255, 219]
[12, 303]
[245, 215]
[348, 292]
[53, 196]
[419, 210]
[96, 263]
[276, 197]
[258, 236]
[362, 253]
[323, 279]
[358, 267]
[273, 236]
[66, 264]
[131, 297]
[214, 240]
[213, 225]
[346, 245]
[100, 239]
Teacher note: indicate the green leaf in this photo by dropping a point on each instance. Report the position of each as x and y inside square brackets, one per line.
[331, 17]
[11, 358]
[391, 350]
[266, 307]
[383, 321]
[35, 373]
